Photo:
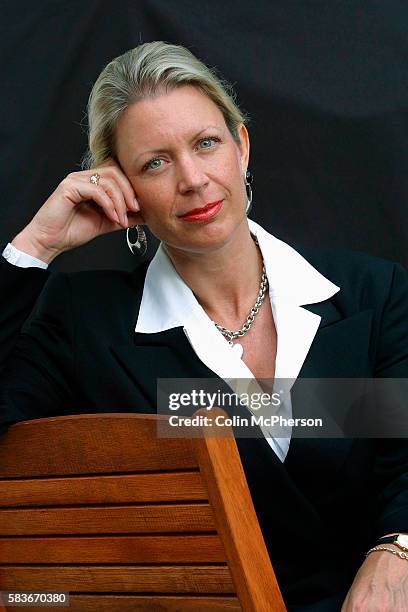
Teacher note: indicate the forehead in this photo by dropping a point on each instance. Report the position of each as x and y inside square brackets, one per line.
[178, 112]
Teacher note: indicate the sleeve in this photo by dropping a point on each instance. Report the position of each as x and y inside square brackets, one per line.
[36, 355]
[391, 465]
[22, 260]
[19, 290]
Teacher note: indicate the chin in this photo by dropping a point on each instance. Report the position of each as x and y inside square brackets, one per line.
[211, 236]
[201, 237]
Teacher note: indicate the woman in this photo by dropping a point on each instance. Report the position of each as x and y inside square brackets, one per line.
[168, 148]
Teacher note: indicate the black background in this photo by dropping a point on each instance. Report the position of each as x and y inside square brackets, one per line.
[324, 82]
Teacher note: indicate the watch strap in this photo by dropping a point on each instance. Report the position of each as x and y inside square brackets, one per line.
[399, 539]
[387, 540]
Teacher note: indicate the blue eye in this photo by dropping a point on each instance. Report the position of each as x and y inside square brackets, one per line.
[208, 139]
[149, 164]
[203, 143]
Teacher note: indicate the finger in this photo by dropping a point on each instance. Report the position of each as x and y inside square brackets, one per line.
[115, 193]
[112, 167]
[88, 191]
[105, 224]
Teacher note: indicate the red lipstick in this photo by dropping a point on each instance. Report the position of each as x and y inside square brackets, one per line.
[204, 213]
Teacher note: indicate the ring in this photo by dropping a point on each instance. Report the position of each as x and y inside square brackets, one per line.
[94, 179]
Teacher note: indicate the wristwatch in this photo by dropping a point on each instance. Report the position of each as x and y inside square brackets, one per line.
[400, 539]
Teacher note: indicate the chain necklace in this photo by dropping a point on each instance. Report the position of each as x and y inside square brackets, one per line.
[233, 335]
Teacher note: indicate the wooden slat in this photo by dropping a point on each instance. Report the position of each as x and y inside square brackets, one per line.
[139, 603]
[81, 447]
[163, 518]
[175, 486]
[145, 579]
[120, 446]
[248, 558]
[110, 549]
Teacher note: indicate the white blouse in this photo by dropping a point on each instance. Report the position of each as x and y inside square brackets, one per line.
[168, 302]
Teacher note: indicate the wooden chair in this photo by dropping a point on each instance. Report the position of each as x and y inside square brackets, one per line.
[124, 520]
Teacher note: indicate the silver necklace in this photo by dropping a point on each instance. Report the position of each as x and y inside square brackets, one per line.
[233, 335]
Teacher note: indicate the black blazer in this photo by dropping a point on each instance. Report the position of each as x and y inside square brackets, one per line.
[324, 506]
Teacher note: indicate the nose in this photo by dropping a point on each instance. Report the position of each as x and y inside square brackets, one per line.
[191, 174]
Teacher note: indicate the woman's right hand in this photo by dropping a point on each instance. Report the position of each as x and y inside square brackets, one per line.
[78, 211]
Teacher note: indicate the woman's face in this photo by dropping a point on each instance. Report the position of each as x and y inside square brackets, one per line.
[180, 157]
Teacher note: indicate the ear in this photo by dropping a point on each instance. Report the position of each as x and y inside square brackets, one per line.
[243, 146]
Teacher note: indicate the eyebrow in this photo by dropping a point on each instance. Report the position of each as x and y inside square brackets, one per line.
[192, 139]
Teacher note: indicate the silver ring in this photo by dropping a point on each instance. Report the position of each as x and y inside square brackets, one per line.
[94, 179]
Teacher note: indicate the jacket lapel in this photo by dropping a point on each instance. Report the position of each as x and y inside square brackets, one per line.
[339, 350]
[340, 347]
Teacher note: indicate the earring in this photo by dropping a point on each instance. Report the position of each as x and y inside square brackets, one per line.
[140, 246]
[249, 177]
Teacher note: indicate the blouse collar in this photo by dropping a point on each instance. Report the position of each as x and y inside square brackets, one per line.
[168, 302]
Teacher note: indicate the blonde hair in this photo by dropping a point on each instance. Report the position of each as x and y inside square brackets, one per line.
[145, 71]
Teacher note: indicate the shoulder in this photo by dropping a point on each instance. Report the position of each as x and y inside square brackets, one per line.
[92, 289]
[96, 282]
[344, 262]
[360, 276]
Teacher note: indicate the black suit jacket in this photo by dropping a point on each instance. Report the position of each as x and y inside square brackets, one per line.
[324, 506]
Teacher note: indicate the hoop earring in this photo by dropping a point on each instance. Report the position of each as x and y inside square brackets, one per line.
[140, 246]
[249, 177]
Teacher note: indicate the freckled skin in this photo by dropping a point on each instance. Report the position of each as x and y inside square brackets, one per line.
[197, 161]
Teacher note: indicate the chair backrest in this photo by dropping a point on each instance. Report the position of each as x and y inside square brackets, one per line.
[101, 507]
